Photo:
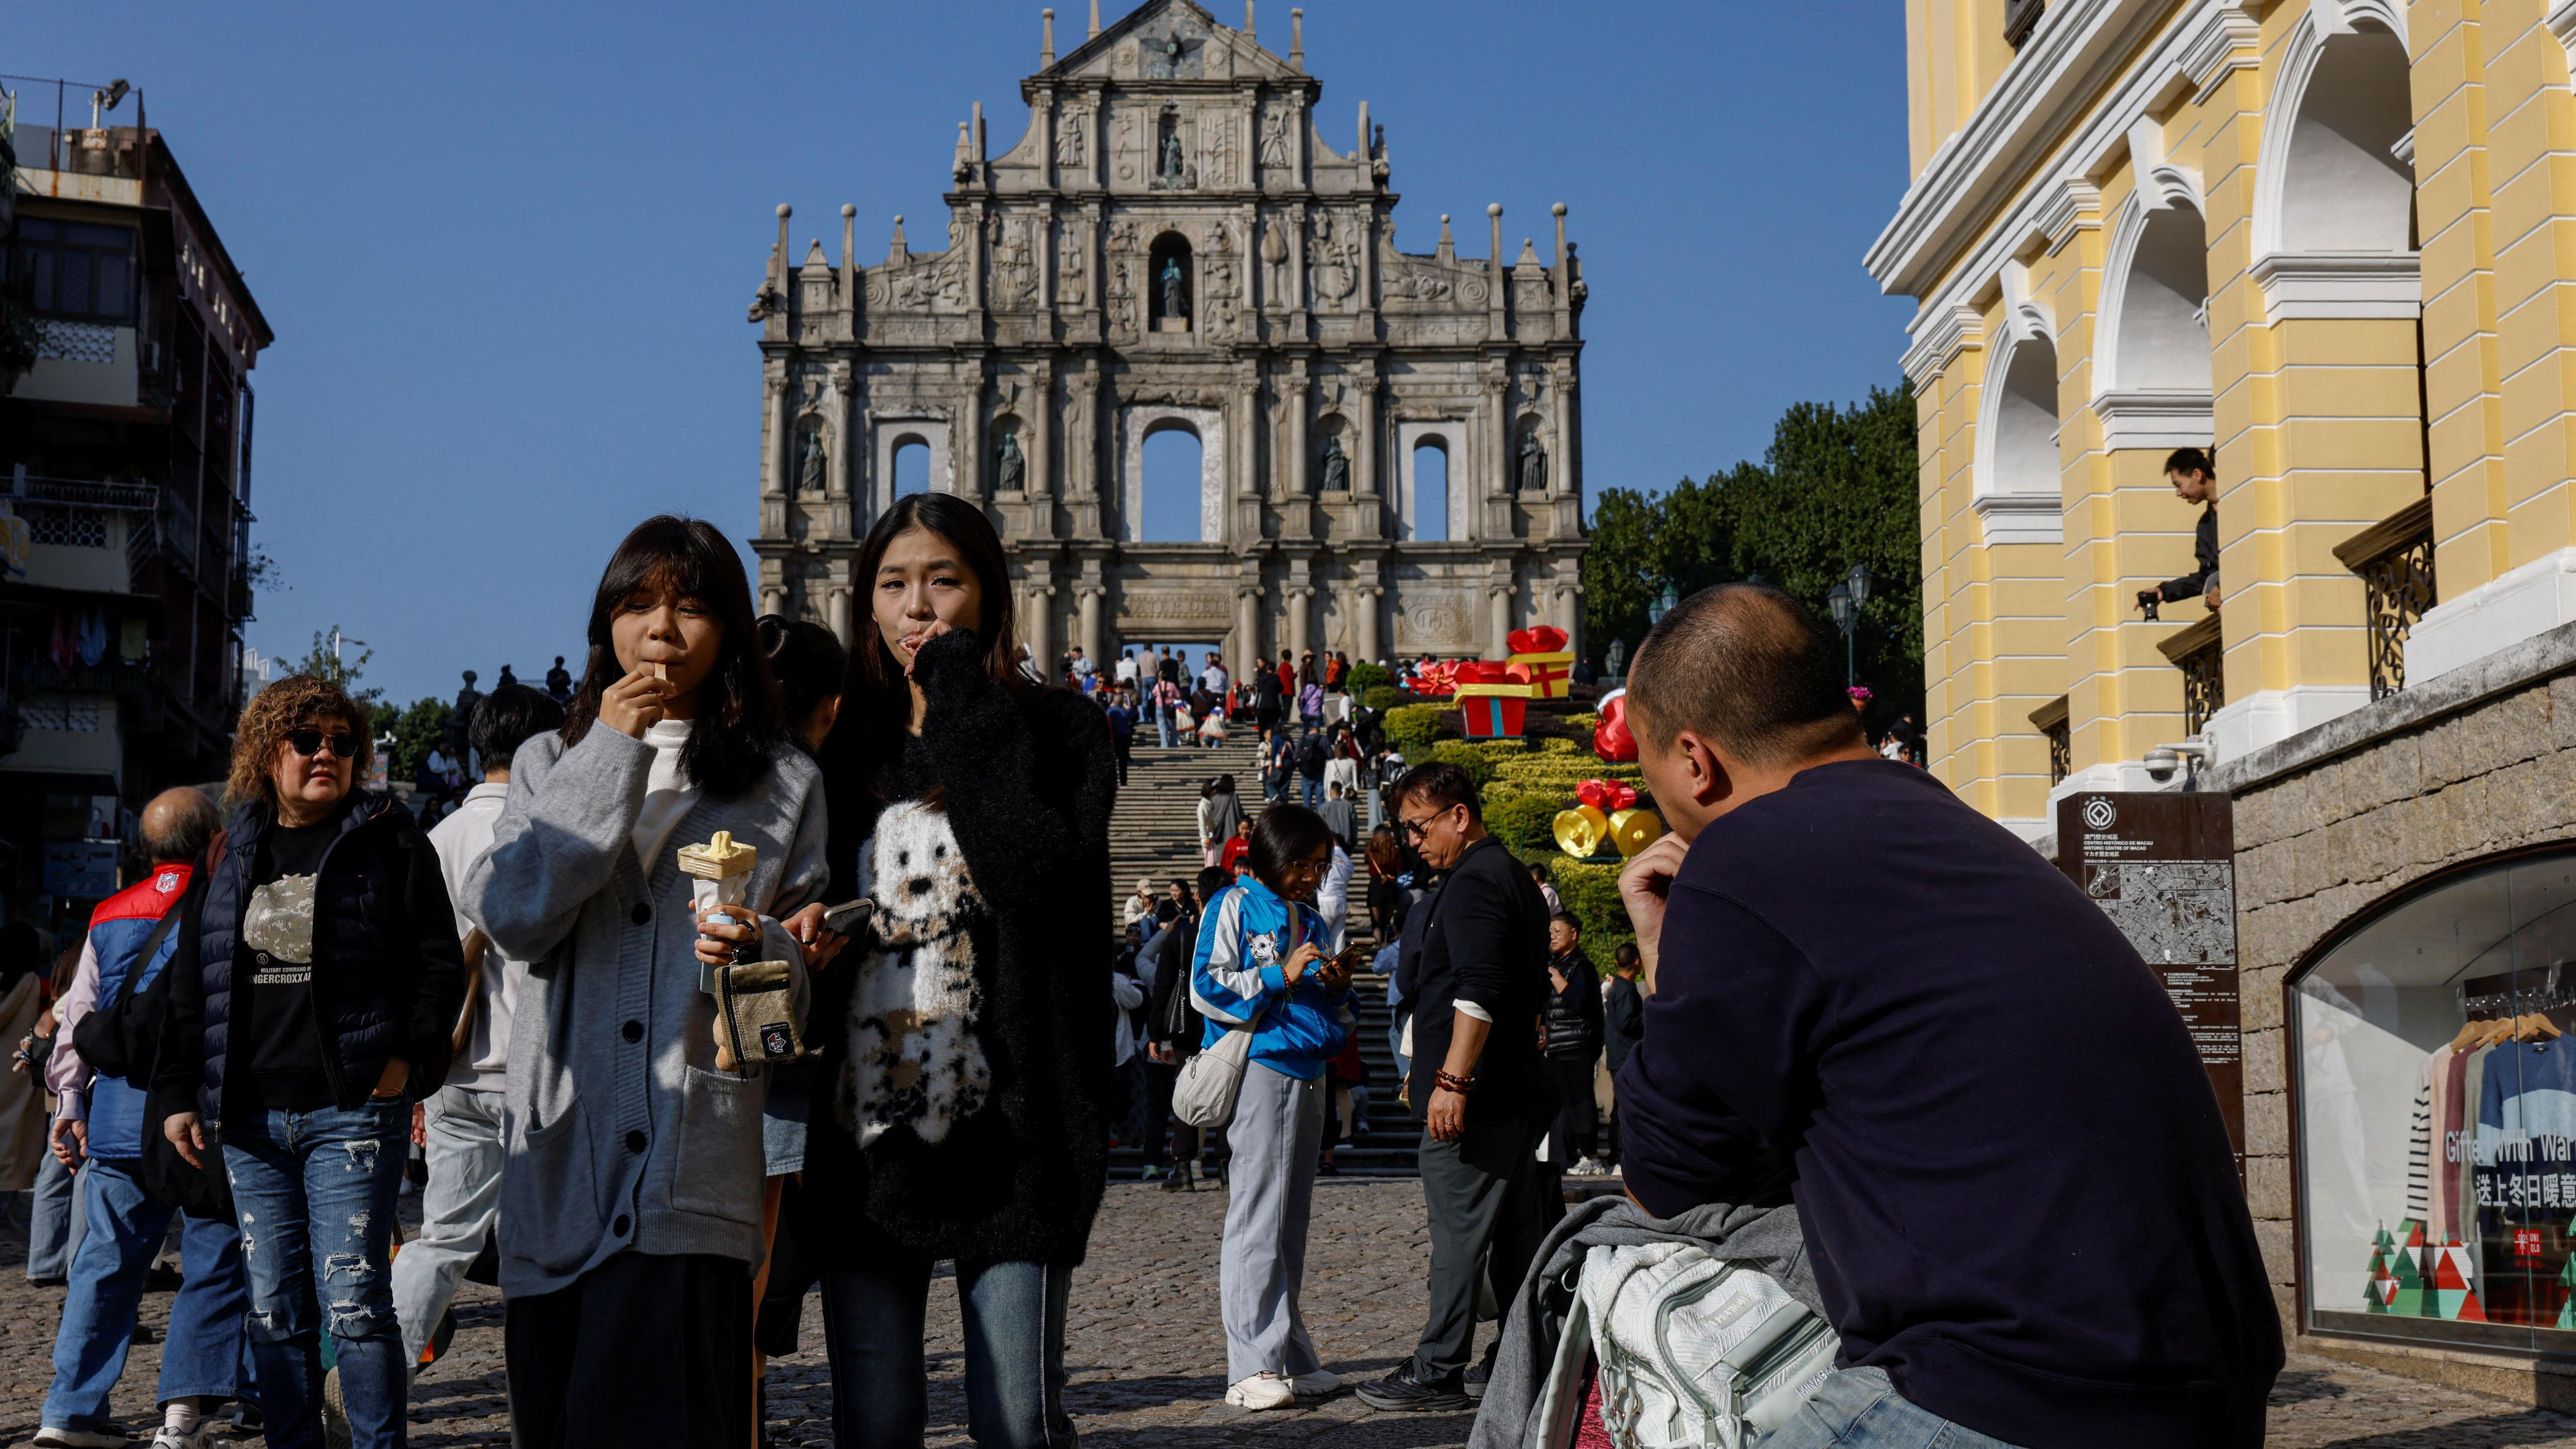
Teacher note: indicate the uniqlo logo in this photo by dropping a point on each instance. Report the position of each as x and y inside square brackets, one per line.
[2526, 1242]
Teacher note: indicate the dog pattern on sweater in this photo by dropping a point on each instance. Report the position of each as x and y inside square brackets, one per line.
[914, 1057]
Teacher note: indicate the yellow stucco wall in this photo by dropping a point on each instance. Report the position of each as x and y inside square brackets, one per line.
[2321, 413]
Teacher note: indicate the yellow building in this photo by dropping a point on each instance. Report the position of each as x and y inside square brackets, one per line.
[2333, 241]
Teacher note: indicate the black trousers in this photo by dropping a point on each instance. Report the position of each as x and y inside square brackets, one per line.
[1165, 1137]
[1491, 1204]
[640, 1350]
[1126, 755]
[1578, 1116]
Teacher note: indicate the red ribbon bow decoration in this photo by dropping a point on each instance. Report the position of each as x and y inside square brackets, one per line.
[1607, 796]
[1543, 639]
[1610, 738]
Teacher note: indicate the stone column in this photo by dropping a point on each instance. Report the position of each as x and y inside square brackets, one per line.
[1500, 594]
[1039, 419]
[1037, 621]
[1092, 644]
[1246, 643]
[966, 447]
[1560, 470]
[773, 453]
[1364, 440]
[1368, 598]
[842, 411]
[1293, 389]
[838, 612]
[1301, 609]
[773, 598]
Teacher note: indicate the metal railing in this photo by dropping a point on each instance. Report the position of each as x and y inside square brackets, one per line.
[2200, 654]
[48, 135]
[85, 492]
[2394, 558]
[2052, 719]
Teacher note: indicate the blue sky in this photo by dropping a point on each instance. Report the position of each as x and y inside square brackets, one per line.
[507, 249]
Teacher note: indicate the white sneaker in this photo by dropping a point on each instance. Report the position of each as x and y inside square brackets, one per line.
[1317, 1384]
[1589, 1167]
[1262, 1391]
[168, 1438]
[53, 1436]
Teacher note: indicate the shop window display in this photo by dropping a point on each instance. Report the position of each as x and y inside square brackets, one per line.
[2436, 1107]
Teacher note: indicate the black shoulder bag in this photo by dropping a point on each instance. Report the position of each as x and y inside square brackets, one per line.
[120, 1038]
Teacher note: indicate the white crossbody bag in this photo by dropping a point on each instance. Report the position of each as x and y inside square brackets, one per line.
[1204, 1093]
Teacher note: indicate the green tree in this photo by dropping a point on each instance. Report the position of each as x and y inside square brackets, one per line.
[320, 663]
[1837, 487]
[416, 730]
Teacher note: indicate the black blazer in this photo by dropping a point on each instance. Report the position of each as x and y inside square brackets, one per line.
[1484, 939]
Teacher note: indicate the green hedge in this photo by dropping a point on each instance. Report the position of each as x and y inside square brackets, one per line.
[1526, 824]
[1414, 728]
[1473, 759]
[1379, 697]
[1365, 677]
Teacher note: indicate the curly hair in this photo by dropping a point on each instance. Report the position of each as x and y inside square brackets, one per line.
[272, 715]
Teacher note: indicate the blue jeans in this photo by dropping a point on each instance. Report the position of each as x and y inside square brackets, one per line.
[203, 1351]
[1163, 726]
[54, 1220]
[1014, 1312]
[315, 1195]
[1314, 790]
[1859, 1409]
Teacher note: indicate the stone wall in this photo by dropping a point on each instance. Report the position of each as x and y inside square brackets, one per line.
[2330, 822]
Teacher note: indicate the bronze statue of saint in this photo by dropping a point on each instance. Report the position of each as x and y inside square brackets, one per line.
[1175, 296]
[1337, 466]
[1010, 470]
[813, 460]
[1172, 162]
[1533, 464]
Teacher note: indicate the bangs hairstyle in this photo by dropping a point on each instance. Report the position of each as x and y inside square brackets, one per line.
[806, 660]
[1284, 835]
[739, 730]
[280, 710]
[877, 696]
[1743, 666]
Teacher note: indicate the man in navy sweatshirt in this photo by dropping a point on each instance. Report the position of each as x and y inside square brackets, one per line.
[2009, 1163]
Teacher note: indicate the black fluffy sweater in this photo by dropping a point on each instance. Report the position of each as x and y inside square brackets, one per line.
[1028, 778]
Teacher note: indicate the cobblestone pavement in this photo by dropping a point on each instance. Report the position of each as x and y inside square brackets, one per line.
[1147, 1358]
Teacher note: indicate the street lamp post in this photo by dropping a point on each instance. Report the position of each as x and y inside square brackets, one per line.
[1656, 611]
[1845, 614]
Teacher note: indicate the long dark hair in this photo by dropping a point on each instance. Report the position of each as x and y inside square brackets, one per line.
[740, 728]
[877, 696]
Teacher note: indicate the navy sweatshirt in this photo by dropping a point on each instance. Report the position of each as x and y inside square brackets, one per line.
[2010, 1165]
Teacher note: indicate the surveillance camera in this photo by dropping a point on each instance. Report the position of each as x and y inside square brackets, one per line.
[2161, 764]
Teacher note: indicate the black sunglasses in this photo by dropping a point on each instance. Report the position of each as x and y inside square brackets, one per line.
[309, 743]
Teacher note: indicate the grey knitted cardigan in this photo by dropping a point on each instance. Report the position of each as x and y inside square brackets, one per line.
[620, 1132]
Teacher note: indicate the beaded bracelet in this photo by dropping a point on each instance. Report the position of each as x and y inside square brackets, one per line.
[1451, 1083]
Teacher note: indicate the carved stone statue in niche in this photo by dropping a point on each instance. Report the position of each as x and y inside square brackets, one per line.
[1533, 461]
[1010, 470]
[1176, 301]
[1071, 283]
[1174, 165]
[1274, 260]
[1068, 139]
[811, 471]
[1274, 138]
[1337, 465]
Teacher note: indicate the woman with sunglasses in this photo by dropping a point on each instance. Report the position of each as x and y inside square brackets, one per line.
[327, 985]
[1267, 963]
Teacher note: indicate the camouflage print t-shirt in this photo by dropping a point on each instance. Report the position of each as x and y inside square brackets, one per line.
[276, 1057]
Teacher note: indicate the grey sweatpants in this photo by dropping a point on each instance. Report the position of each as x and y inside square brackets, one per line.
[458, 1210]
[1277, 1131]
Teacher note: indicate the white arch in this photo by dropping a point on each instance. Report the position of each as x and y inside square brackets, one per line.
[2334, 184]
[2151, 338]
[2016, 484]
[1450, 437]
[1205, 424]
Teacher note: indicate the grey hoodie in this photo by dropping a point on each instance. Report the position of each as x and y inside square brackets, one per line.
[619, 1130]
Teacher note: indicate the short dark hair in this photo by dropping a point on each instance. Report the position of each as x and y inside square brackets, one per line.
[808, 662]
[2191, 460]
[1442, 784]
[1167, 910]
[1211, 880]
[1746, 667]
[1566, 918]
[509, 717]
[1285, 835]
[1626, 955]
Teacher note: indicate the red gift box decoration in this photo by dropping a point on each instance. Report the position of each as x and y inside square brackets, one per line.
[1606, 796]
[1610, 738]
[1543, 639]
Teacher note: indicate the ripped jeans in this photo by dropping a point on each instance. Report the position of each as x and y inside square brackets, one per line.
[314, 1193]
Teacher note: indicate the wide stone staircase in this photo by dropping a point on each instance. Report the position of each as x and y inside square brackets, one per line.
[1154, 834]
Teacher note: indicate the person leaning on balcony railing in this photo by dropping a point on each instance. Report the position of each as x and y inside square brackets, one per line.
[2195, 480]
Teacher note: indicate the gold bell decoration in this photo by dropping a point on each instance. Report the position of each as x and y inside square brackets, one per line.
[1582, 831]
[1635, 829]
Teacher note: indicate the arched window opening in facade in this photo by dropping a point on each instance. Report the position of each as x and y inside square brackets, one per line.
[1175, 465]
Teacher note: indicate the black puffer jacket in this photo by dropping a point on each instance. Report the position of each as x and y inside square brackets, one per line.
[1028, 778]
[388, 977]
[1574, 1014]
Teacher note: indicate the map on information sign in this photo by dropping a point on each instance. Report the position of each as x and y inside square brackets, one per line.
[2174, 912]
